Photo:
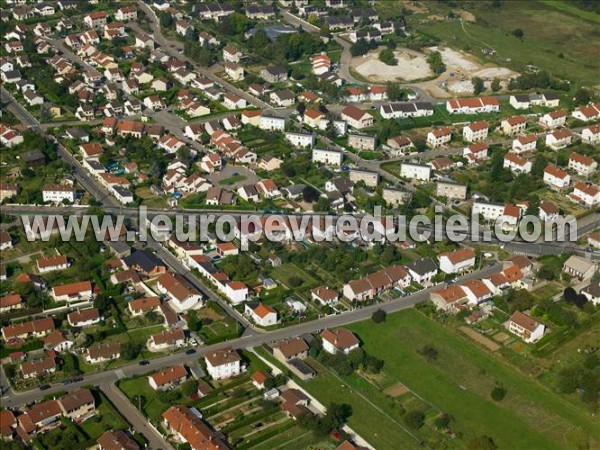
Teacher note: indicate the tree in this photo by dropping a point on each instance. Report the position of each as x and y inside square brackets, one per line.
[478, 85]
[166, 20]
[193, 321]
[310, 194]
[414, 419]
[429, 352]
[436, 63]
[189, 388]
[442, 422]
[130, 350]
[582, 96]
[580, 300]
[518, 33]
[481, 443]
[337, 414]
[569, 294]
[387, 57]
[301, 108]
[495, 86]
[359, 48]
[498, 393]
[379, 316]
[394, 91]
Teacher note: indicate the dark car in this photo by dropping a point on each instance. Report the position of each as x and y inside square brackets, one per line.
[76, 379]
[43, 387]
[191, 351]
[144, 362]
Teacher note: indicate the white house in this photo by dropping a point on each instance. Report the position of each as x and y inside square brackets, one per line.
[182, 295]
[356, 117]
[516, 164]
[56, 193]
[324, 156]
[271, 123]
[223, 364]
[554, 119]
[300, 139]
[526, 327]
[585, 194]
[457, 261]
[262, 314]
[591, 135]
[513, 125]
[476, 131]
[556, 177]
[583, 165]
[414, 171]
[439, 137]
[473, 105]
[524, 143]
[559, 139]
[339, 340]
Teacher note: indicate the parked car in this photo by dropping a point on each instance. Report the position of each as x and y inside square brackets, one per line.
[191, 351]
[144, 362]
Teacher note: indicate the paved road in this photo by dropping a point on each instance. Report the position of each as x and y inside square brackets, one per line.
[175, 49]
[135, 417]
[247, 341]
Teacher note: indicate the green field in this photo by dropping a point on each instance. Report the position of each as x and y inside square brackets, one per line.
[458, 382]
[558, 36]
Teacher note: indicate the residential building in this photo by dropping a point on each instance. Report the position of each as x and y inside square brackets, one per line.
[439, 137]
[457, 261]
[324, 156]
[302, 140]
[168, 378]
[516, 164]
[579, 267]
[185, 424]
[371, 179]
[84, 317]
[261, 314]
[339, 340]
[585, 194]
[513, 126]
[526, 327]
[473, 105]
[583, 165]
[556, 177]
[414, 171]
[295, 348]
[223, 364]
[559, 139]
[554, 119]
[100, 353]
[356, 117]
[362, 142]
[72, 292]
[451, 190]
[476, 131]
[524, 143]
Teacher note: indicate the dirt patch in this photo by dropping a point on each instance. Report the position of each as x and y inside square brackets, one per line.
[208, 313]
[396, 390]
[412, 65]
[465, 15]
[501, 337]
[412, 6]
[488, 343]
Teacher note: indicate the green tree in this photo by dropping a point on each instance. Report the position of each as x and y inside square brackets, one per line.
[498, 393]
[414, 419]
[387, 57]
[379, 316]
[582, 96]
[166, 20]
[436, 63]
[495, 86]
[478, 85]
[481, 443]
[130, 350]
[189, 388]
[518, 33]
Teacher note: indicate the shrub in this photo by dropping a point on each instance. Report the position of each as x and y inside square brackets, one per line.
[498, 393]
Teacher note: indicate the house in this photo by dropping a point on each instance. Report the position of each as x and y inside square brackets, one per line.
[583, 165]
[554, 119]
[126, 13]
[377, 282]
[271, 123]
[588, 112]
[181, 294]
[422, 270]
[260, 12]
[5, 241]
[402, 110]
[100, 353]
[248, 192]
[295, 348]
[216, 196]
[473, 105]
[399, 146]
[585, 194]
[38, 368]
[591, 135]
[33, 98]
[184, 424]
[414, 171]
[295, 403]
[234, 71]
[223, 364]
[282, 98]
[57, 341]
[182, 27]
[168, 378]
[233, 101]
[514, 125]
[451, 190]
[231, 54]
[370, 179]
[559, 139]
[449, 298]
[251, 117]
[144, 262]
[142, 305]
[14, 46]
[168, 339]
[516, 164]
[579, 267]
[84, 317]
[10, 303]
[261, 314]
[320, 64]
[155, 103]
[302, 140]
[592, 292]
[274, 74]
[594, 239]
[324, 296]
[339, 340]
[476, 131]
[267, 188]
[362, 142]
[556, 177]
[356, 117]
[439, 137]
[548, 211]
[45, 265]
[457, 261]
[116, 440]
[78, 405]
[72, 292]
[96, 19]
[524, 143]
[477, 291]
[526, 327]
[324, 156]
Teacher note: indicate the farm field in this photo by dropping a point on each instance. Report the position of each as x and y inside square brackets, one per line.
[568, 39]
[460, 380]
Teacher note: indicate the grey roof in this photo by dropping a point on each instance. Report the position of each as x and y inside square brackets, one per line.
[422, 266]
[146, 260]
[294, 189]
[593, 289]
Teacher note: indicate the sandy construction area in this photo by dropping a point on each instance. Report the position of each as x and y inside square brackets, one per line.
[396, 390]
[491, 345]
[455, 59]
[411, 65]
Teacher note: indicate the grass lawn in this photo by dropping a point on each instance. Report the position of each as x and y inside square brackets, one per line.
[541, 45]
[460, 380]
[232, 179]
[106, 418]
